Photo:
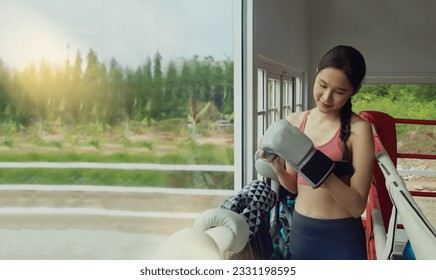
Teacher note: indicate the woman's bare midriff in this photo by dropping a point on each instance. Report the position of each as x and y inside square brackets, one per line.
[318, 204]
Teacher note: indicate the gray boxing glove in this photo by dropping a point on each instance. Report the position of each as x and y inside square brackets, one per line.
[288, 142]
[263, 167]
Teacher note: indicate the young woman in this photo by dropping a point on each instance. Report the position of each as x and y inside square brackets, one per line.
[326, 222]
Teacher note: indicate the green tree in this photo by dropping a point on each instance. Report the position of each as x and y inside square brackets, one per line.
[110, 94]
[5, 109]
[218, 88]
[171, 102]
[93, 101]
[228, 87]
[115, 93]
[75, 98]
[413, 92]
[144, 93]
[156, 92]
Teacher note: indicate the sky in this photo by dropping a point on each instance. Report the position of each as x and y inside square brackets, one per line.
[128, 30]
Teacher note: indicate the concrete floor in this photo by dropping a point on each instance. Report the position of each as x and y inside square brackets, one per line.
[100, 223]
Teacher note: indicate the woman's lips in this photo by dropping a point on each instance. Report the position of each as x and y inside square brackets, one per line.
[325, 104]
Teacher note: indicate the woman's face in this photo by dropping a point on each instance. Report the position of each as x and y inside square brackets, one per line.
[331, 90]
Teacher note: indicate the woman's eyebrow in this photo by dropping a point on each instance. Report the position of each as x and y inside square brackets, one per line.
[324, 82]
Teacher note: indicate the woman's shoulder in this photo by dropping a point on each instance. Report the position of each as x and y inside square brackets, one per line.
[360, 126]
[296, 118]
[361, 140]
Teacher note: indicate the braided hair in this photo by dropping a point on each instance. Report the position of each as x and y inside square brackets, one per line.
[351, 61]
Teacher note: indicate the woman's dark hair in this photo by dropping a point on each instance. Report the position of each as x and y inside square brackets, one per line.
[351, 61]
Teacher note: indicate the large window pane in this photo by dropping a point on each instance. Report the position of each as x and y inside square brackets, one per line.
[119, 81]
[273, 99]
[288, 96]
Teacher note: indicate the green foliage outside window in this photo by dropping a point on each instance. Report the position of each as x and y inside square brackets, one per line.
[407, 101]
[413, 101]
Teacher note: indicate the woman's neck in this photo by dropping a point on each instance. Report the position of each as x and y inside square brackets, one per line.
[331, 117]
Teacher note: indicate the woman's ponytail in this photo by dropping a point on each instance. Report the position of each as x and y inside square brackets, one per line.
[346, 127]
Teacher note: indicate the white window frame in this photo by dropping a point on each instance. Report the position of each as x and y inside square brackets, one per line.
[269, 101]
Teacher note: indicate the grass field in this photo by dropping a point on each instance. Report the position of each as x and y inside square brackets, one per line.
[121, 144]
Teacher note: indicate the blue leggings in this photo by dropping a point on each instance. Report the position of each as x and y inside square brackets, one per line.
[336, 239]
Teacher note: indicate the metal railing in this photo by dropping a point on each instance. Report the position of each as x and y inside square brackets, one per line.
[120, 166]
[420, 232]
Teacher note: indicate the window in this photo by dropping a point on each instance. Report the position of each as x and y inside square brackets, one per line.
[279, 93]
[113, 78]
[135, 95]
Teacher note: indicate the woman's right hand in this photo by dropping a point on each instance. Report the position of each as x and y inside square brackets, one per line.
[287, 178]
[277, 163]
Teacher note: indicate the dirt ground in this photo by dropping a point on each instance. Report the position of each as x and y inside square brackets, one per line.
[419, 183]
[58, 235]
[134, 202]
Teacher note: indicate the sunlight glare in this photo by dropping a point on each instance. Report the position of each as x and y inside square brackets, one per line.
[27, 37]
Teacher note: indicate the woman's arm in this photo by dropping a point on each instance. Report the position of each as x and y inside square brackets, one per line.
[354, 198]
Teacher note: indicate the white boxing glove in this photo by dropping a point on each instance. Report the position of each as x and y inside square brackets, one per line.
[229, 229]
[215, 233]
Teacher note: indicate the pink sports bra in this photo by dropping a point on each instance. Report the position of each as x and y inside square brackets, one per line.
[333, 149]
